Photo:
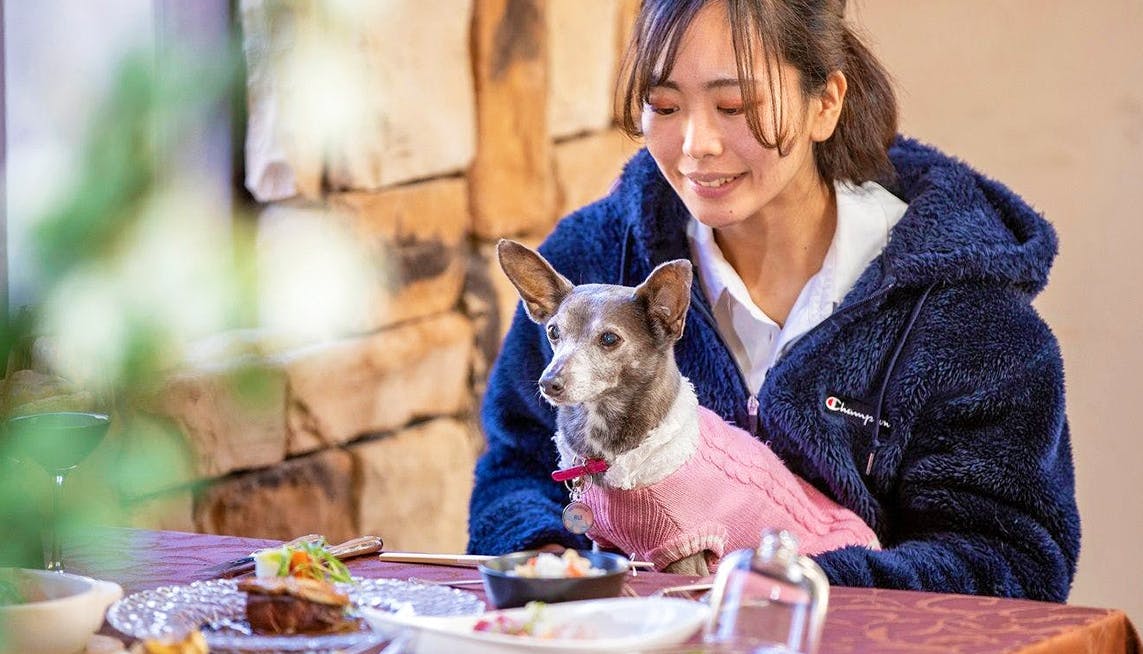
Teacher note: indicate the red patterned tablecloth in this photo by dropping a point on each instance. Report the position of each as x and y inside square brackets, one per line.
[859, 619]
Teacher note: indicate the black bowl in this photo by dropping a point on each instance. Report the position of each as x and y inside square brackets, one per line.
[506, 590]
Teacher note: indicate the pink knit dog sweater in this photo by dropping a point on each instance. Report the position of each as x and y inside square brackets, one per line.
[719, 500]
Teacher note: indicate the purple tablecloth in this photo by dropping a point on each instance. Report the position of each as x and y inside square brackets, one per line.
[859, 619]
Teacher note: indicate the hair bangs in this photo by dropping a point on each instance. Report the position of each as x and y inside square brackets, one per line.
[754, 31]
[651, 56]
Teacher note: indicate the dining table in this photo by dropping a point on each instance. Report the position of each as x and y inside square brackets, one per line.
[858, 619]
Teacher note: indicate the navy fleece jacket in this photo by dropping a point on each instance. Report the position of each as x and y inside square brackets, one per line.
[931, 403]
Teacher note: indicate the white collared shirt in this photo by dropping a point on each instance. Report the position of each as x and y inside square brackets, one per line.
[865, 214]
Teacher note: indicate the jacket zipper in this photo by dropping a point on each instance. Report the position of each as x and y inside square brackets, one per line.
[752, 411]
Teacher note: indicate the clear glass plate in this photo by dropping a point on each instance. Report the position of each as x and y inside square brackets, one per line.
[218, 609]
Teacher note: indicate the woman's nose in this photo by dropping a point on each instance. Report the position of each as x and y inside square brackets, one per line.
[702, 138]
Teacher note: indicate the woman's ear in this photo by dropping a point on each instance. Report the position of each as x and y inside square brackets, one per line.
[826, 107]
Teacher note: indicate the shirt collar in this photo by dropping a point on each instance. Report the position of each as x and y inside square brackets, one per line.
[865, 214]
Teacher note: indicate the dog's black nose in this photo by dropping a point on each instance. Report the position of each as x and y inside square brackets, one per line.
[552, 386]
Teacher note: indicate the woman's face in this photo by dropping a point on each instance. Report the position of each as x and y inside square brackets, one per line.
[695, 127]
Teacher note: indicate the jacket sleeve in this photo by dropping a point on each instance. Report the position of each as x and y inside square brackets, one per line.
[983, 500]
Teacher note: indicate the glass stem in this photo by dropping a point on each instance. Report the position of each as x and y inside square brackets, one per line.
[55, 562]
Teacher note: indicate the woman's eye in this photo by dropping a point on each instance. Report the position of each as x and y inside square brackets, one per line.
[662, 111]
[608, 339]
[553, 333]
[731, 111]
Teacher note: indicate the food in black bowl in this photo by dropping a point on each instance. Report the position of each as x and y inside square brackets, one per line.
[515, 579]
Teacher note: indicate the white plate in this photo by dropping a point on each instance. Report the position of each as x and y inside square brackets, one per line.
[623, 624]
[218, 608]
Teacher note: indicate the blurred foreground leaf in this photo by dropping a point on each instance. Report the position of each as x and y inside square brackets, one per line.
[133, 264]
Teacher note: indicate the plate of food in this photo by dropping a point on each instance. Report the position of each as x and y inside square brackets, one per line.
[513, 580]
[623, 624]
[301, 602]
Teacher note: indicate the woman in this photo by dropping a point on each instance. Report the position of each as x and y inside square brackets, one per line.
[882, 343]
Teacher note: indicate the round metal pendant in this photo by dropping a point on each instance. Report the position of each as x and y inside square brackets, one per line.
[578, 518]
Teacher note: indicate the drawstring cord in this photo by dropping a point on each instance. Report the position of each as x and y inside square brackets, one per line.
[889, 374]
[623, 256]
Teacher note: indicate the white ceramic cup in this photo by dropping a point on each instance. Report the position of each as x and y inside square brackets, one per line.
[60, 615]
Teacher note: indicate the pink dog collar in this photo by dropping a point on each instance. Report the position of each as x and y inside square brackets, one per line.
[589, 467]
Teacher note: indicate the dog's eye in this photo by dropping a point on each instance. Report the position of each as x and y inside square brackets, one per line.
[553, 333]
[608, 339]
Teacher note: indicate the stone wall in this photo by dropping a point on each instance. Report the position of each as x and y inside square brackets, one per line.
[478, 119]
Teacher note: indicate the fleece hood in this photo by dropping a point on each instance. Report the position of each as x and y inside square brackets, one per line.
[960, 226]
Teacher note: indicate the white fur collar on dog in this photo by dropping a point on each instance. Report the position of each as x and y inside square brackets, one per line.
[663, 450]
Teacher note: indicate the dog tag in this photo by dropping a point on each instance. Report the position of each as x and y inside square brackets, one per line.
[578, 517]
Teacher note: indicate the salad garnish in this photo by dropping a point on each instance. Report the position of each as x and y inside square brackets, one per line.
[303, 560]
[535, 623]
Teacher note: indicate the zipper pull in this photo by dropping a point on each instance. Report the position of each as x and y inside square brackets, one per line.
[869, 464]
[752, 412]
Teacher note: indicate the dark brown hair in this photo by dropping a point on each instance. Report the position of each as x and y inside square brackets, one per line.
[810, 35]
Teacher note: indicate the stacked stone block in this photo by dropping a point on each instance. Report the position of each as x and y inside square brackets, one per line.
[482, 119]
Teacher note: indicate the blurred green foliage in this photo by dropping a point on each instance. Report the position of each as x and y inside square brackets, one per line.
[156, 105]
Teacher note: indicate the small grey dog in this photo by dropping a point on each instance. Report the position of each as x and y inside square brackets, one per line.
[612, 376]
[679, 486]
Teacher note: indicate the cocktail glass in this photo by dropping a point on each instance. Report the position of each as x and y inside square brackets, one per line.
[58, 442]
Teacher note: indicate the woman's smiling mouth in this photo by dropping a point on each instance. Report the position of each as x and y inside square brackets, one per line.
[712, 185]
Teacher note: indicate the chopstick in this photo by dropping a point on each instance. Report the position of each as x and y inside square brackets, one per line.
[685, 589]
[460, 560]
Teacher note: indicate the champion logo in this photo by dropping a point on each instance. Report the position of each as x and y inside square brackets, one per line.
[852, 409]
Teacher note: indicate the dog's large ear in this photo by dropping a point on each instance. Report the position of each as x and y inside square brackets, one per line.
[666, 293]
[541, 288]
